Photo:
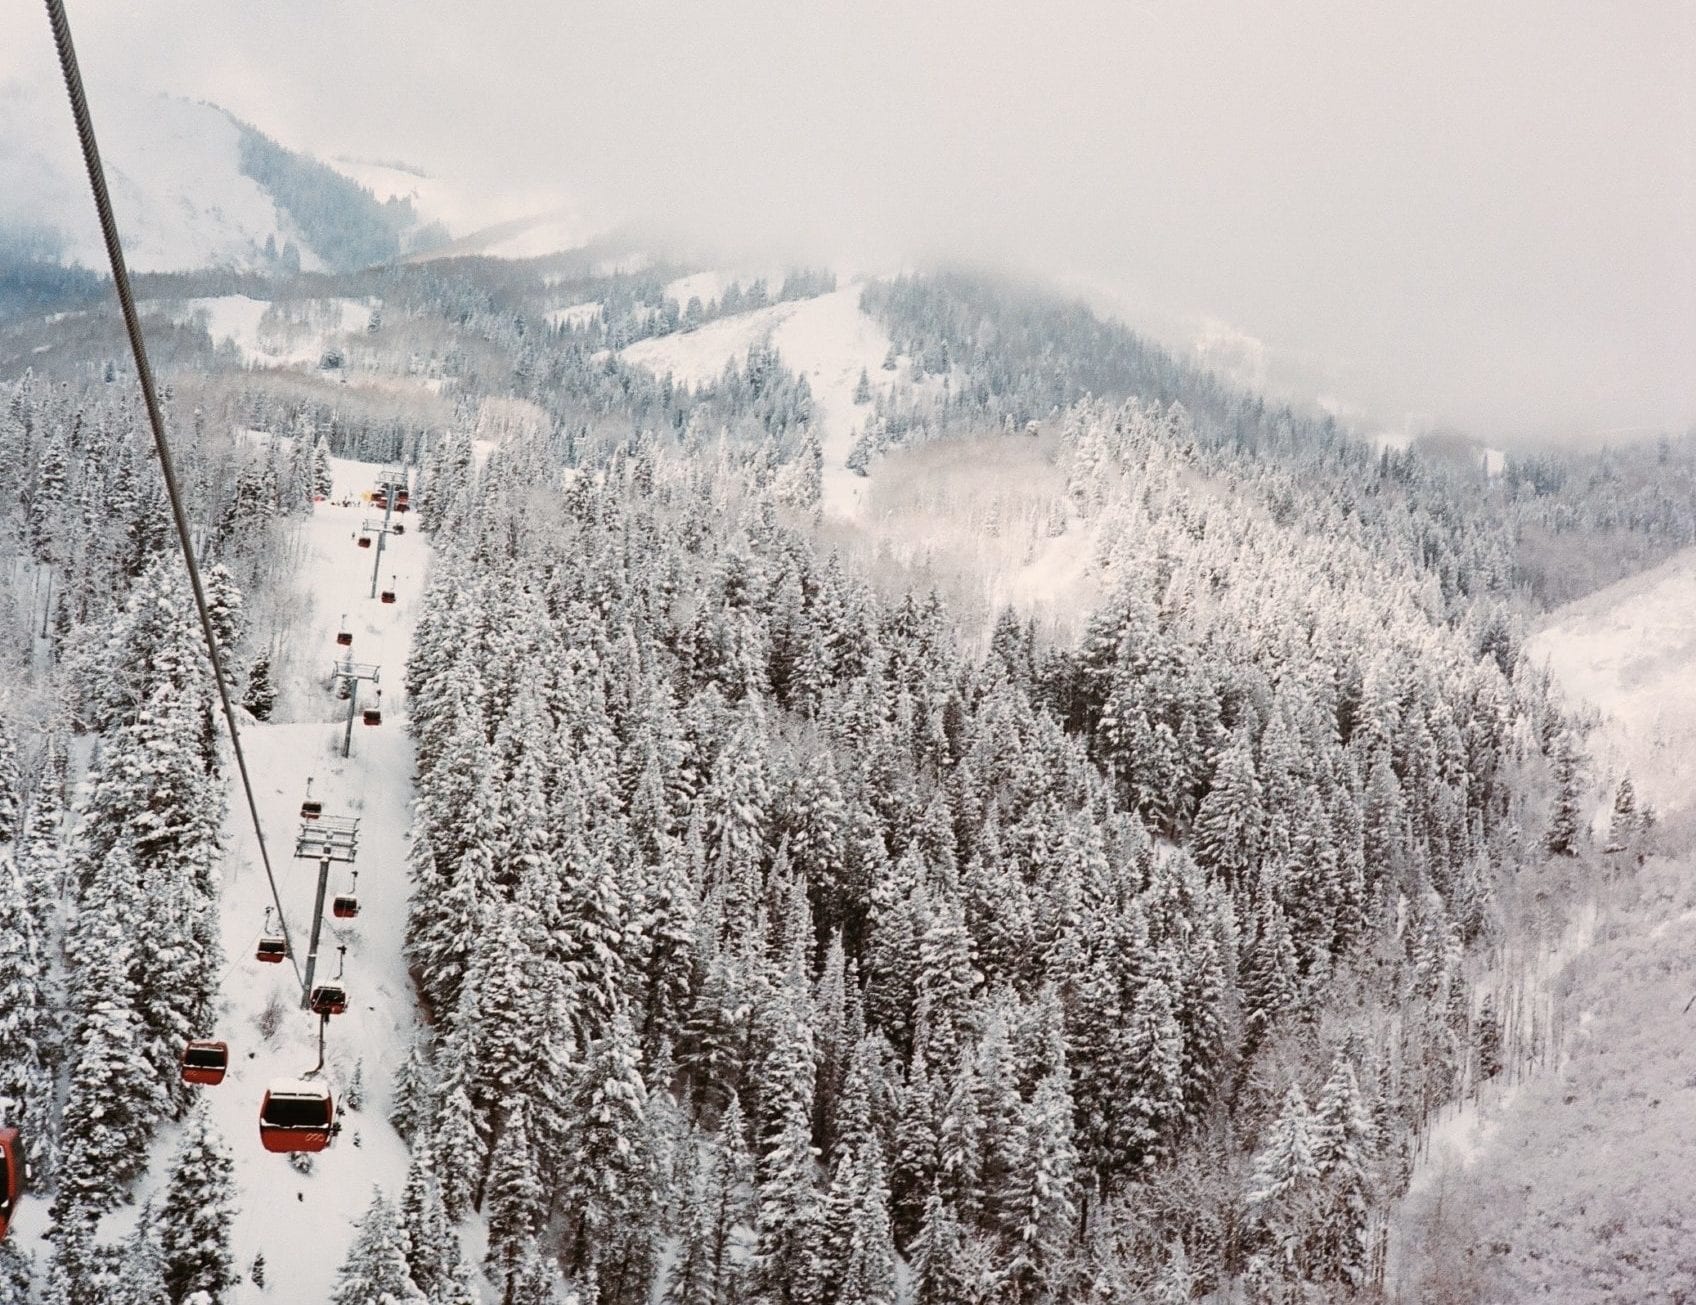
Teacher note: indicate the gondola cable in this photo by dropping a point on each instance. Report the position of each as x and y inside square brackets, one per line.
[132, 324]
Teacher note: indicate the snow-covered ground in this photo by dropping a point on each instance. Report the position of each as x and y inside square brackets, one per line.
[830, 340]
[304, 1223]
[1630, 651]
[534, 236]
[458, 206]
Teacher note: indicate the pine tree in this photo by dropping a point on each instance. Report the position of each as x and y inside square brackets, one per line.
[1044, 1210]
[26, 1033]
[413, 1088]
[950, 1264]
[199, 1193]
[1489, 1039]
[1566, 819]
[514, 1201]
[1622, 826]
[1282, 1190]
[1154, 1065]
[142, 1274]
[115, 1095]
[375, 1271]
[1342, 1154]
[1228, 822]
[224, 607]
[260, 699]
[707, 1271]
[789, 1209]
[323, 476]
[858, 1249]
[9, 778]
[607, 1184]
[16, 1273]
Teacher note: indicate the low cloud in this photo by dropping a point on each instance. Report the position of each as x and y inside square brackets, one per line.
[1484, 212]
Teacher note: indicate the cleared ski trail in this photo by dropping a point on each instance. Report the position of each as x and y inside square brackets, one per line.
[304, 1223]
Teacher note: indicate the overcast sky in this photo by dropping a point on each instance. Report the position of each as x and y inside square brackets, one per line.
[1475, 213]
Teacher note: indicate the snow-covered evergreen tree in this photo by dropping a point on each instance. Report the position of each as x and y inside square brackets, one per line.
[200, 1195]
[375, 1271]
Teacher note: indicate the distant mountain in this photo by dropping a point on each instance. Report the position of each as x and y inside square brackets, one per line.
[193, 187]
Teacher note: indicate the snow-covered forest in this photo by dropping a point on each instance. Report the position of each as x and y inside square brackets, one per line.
[789, 908]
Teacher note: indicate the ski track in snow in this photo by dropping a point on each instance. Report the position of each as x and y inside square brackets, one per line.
[828, 339]
[304, 1223]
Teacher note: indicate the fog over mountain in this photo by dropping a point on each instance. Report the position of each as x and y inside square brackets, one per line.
[1453, 214]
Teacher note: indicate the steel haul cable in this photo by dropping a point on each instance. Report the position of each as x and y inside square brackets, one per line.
[132, 324]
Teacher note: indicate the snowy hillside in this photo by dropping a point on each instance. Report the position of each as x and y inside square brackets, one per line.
[1630, 651]
[282, 1212]
[533, 236]
[192, 187]
[374, 785]
[828, 339]
[175, 173]
[272, 335]
[1561, 1181]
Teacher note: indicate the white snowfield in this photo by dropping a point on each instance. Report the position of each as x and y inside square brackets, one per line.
[575, 314]
[293, 334]
[829, 340]
[174, 168]
[1630, 651]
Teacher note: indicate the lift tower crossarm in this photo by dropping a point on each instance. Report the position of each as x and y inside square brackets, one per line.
[326, 840]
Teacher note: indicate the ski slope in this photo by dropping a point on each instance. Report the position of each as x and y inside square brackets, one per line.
[295, 334]
[829, 340]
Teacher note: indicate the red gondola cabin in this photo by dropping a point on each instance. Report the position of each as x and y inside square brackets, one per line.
[344, 638]
[345, 906]
[388, 595]
[365, 541]
[328, 999]
[271, 948]
[296, 1115]
[373, 716]
[11, 1176]
[205, 1062]
[311, 809]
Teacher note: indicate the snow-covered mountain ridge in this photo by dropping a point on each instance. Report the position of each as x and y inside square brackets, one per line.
[193, 187]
